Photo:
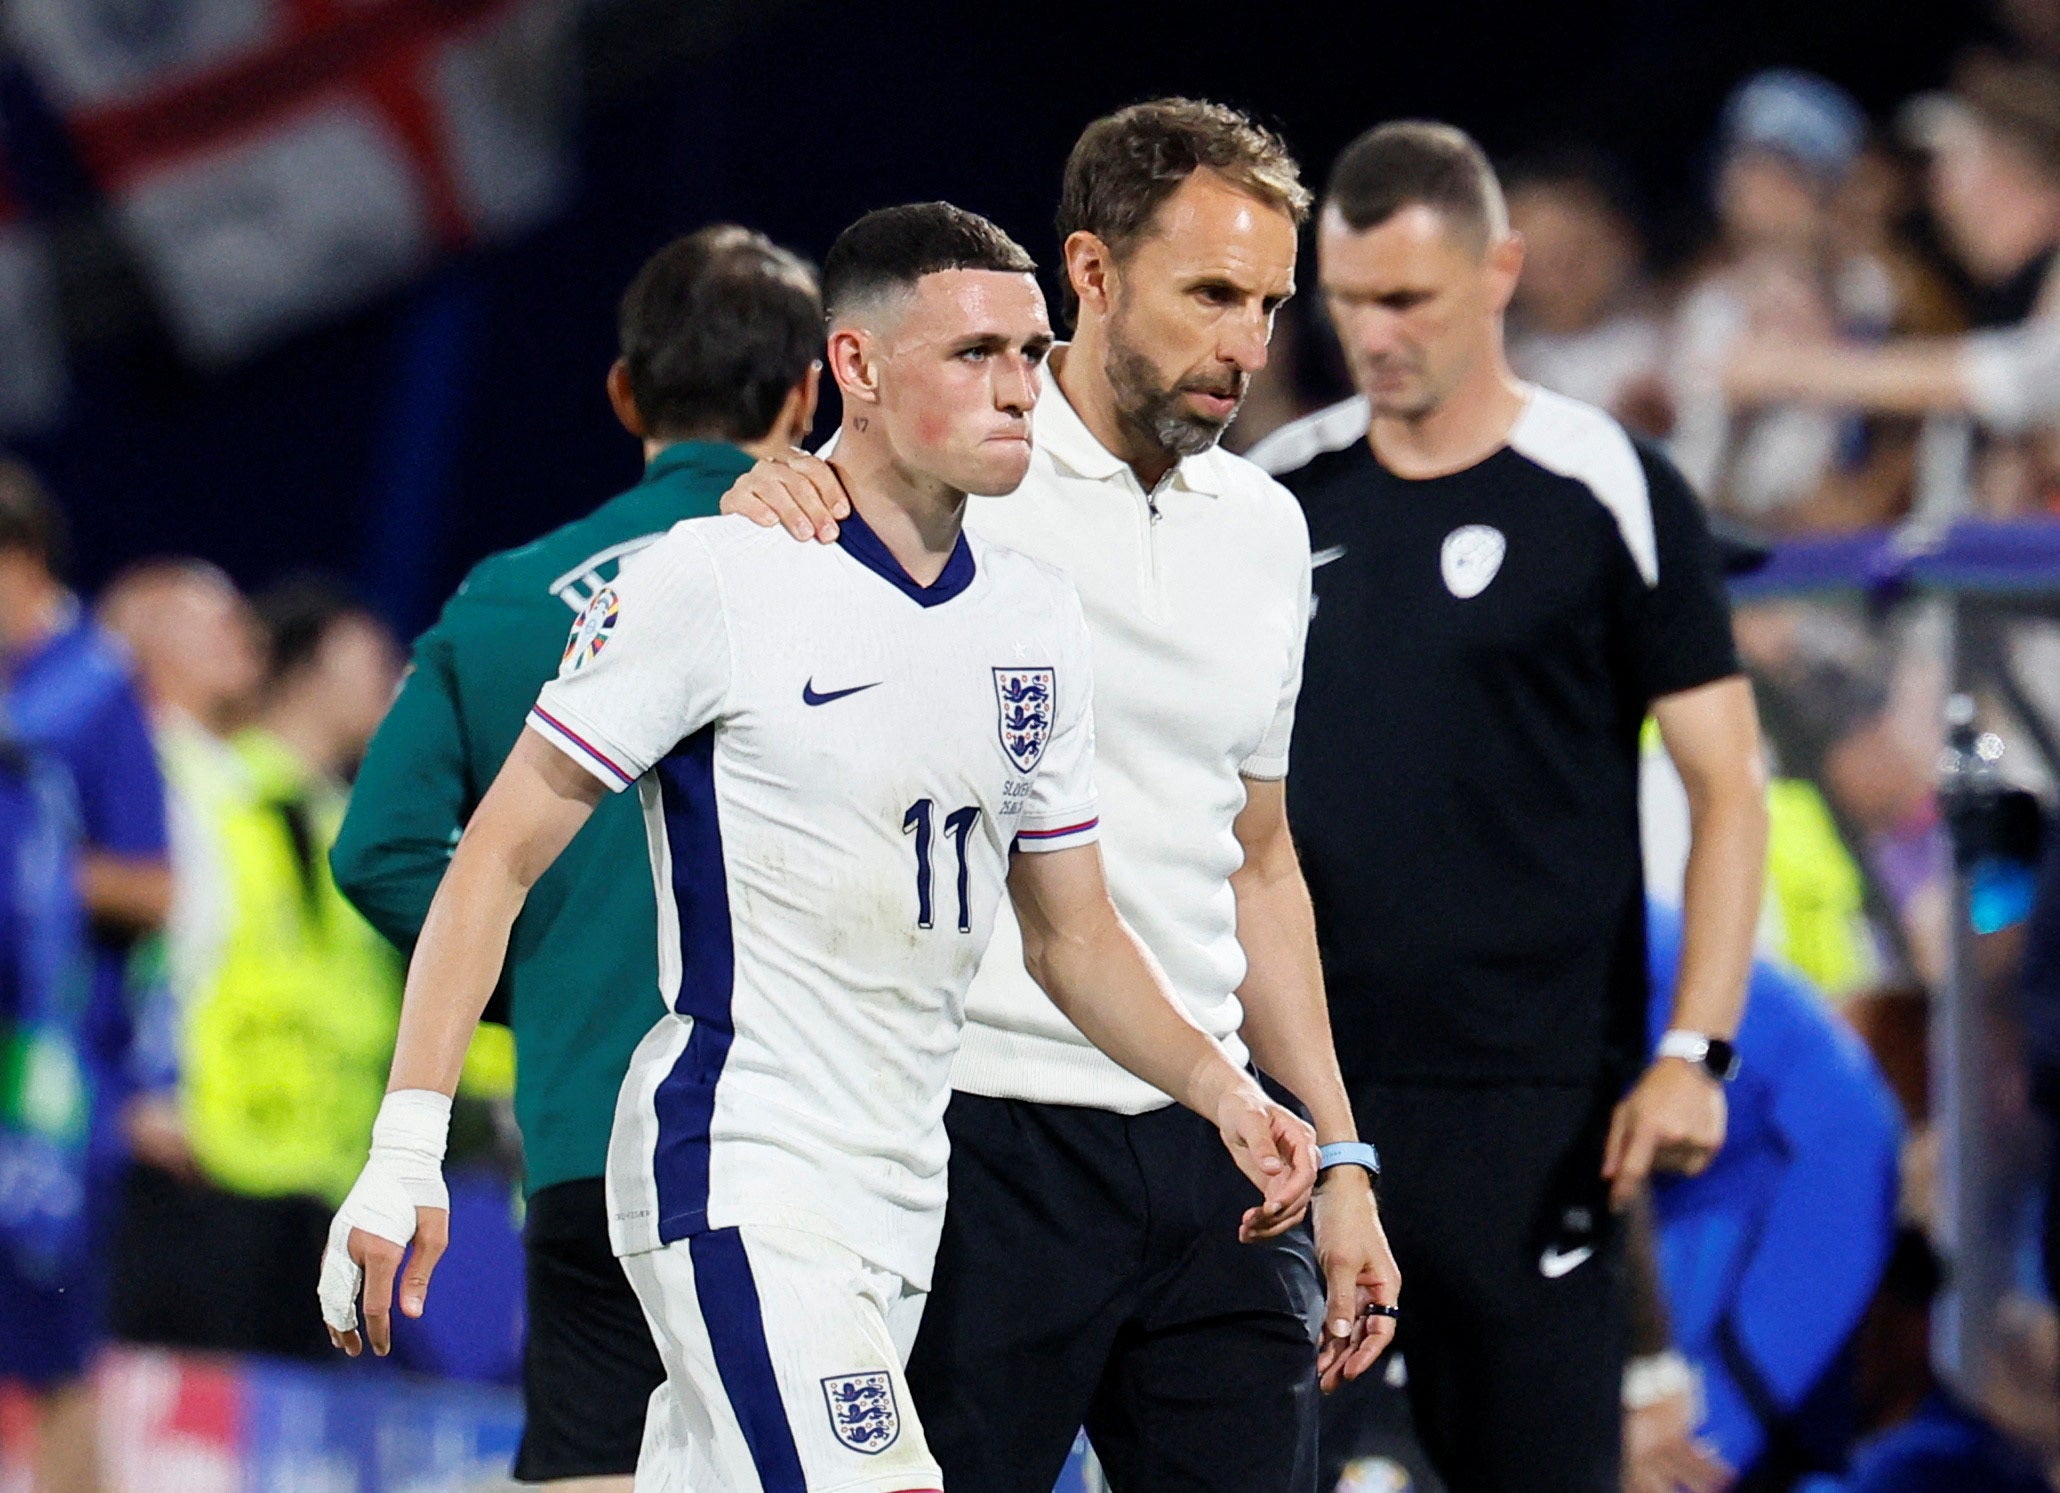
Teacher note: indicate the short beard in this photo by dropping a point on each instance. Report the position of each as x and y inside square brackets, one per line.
[1156, 412]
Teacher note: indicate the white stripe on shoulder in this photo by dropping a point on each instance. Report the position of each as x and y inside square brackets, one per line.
[577, 586]
[1300, 442]
[1579, 441]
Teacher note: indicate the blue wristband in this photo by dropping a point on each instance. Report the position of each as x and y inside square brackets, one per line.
[1348, 1153]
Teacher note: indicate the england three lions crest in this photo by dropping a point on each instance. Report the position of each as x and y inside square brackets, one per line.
[863, 1414]
[1026, 698]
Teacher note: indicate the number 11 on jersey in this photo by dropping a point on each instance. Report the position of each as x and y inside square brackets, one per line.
[957, 825]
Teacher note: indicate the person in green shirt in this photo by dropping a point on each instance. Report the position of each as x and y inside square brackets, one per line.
[720, 335]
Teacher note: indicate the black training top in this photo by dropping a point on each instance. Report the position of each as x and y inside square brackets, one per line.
[1482, 650]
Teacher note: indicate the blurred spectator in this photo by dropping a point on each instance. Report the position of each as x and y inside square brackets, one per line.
[1813, 918]
[69, 688]
[1813, 915]
[45, 1243]
[69, 695]
[286, 1030]
[194, 644]
[1874, 214]
[1854, 709]
[1789, 145]
[1929, 1441]
[1583, 323]
[1664, 1448]
[1994, 187]
[1770, 1257]
[44, 1162]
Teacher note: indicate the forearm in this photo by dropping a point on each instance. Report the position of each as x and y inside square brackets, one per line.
[1106, 983]
[1287, 1018]
[1652, 1328]
[1720, 903]
[1915, 378]
[530, 814]
[457, 962]
[132, 893]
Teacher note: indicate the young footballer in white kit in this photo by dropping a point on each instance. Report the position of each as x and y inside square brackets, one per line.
[839, 751]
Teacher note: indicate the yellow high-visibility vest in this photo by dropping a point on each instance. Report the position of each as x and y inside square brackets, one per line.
[286, 1046]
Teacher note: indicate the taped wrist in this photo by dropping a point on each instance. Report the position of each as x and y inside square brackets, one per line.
[405, 1170]
[408, 1141]
[403, 1173]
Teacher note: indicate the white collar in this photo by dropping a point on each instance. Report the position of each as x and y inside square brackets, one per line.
[1063, 435]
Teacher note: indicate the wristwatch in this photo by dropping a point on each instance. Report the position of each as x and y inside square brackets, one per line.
[1715, 1056]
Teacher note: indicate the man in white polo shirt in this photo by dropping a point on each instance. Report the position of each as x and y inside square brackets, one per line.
[1092, 1270]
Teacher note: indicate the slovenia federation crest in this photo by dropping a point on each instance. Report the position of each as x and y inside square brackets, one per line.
[590, 634]
[863, 1414]
[1470, 558]
[1025, 698]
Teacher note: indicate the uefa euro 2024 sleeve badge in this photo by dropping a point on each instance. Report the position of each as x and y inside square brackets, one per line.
[1026, 698]
[590, 634]
[863, 1414]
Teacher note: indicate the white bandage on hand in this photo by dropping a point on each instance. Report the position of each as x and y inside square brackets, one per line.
[403, 1173]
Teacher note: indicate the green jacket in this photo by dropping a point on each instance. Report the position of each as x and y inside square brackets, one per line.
[582, 971]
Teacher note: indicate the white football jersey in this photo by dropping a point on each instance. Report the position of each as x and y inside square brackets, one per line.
[834, 765]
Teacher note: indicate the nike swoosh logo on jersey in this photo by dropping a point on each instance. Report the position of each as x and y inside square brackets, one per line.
[1554, 1262]
[810, 697]
[1323, 557]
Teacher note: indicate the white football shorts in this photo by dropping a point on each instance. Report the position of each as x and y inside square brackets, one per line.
[783, 1354]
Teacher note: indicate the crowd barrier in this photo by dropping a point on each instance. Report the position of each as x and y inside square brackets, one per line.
[1980, 556]
[1980, 601]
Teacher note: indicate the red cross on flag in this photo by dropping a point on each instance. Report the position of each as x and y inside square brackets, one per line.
[277, 161]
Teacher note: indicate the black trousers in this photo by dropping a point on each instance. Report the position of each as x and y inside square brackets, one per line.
[1515, 1293]
[1090, 1274]
[588, 1365]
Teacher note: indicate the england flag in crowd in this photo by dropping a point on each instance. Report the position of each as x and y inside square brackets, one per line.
[275, 161]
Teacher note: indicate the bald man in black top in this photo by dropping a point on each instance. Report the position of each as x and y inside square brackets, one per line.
[1506, 584]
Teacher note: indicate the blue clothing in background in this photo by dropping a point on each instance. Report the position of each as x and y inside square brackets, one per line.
[1770, 1257]
[74, 699]
[49, 1297]
[1940, 1449]
[46, 1091]
[71, 703]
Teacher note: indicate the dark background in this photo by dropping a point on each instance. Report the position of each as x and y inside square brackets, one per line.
[466, 414]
